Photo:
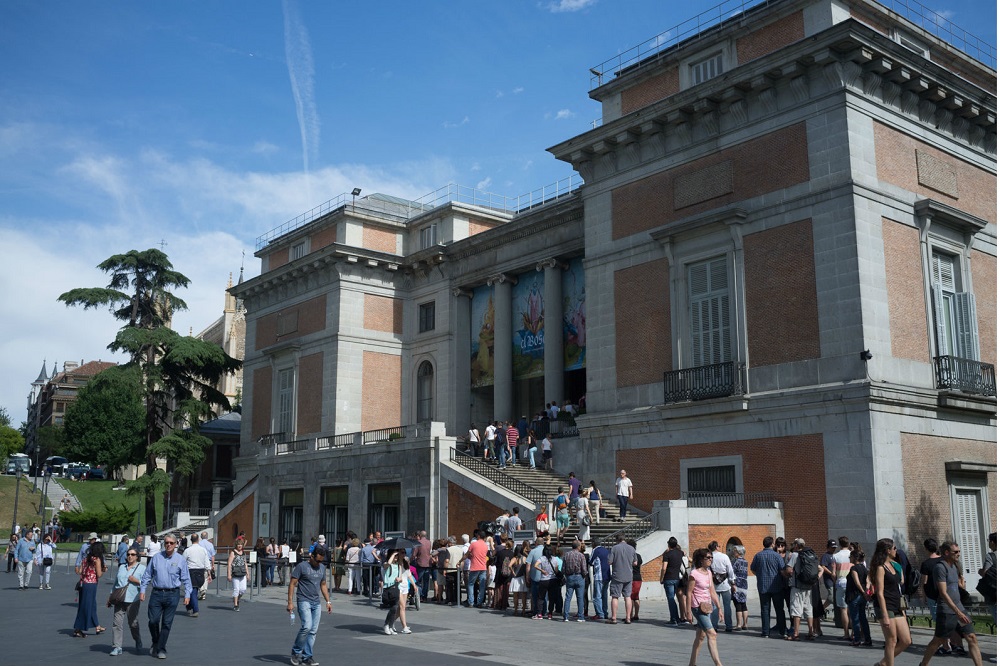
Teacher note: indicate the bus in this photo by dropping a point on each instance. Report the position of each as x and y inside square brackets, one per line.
[18, 462]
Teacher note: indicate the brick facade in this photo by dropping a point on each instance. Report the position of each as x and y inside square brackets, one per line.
[237, 519]
[791, 468]
[770, 38]
[984, 286]
[478, 226]
[310, 394]
[896, 156]
[277, 258]
[904, 285]
[781, 308]
[925, 483]
[651, 90]
[750, 536]
[322, 238]
[466, 509]
[383, 314]
[260, 414]
[766, 164]
[381, 240]
[642, 323]
[291, 322]
[380, 390]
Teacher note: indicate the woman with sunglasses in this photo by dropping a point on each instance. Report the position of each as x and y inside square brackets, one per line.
[701, 591]
[886, 575]
[129, 577]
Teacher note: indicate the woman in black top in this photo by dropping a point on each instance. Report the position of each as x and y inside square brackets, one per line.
[857, 580]
[885, 578]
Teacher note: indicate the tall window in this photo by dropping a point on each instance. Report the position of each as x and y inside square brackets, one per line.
[297, 251]
[954, 310]
[286, 401]
[427, 317]
[290, 516]
[708, 295]
[969, 518]
[425, 392]
[383, 507]
[706, 69]
[333, 513]
[428, 236]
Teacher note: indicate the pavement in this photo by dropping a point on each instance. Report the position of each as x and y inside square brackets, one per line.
[37, 628]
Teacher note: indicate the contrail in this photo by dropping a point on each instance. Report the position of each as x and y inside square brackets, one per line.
[298, 56]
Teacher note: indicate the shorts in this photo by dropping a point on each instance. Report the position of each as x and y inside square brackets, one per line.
[801, 603]
[562, 520]
[620, 590]
[636, 586]
[740, 606]
[546, 455]
[702, 620]
[840, 597]
[946, 623]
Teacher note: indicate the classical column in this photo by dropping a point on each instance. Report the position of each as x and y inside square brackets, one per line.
[461, 398]
[554, 362]
[503, 347]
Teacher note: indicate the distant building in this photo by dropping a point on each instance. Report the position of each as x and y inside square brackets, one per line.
[229, 333]
[51, 395]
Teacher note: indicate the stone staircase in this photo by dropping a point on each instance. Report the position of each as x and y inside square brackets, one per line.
[544, 486]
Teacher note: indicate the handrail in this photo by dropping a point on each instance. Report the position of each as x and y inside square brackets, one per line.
[727, 500]
[965, 375]
[634, 530]
[499, 477]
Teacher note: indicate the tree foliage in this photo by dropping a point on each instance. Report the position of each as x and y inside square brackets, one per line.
[106, 520]
[106, 425]
[50, 441]
[178, 373]
[4, 417]
[11, 441]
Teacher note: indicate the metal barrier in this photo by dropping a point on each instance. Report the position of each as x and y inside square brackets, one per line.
[965, 375]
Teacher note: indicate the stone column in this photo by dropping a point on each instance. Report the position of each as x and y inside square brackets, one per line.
[461, 397]
[554, 362]
[503, 350]
[217, 488]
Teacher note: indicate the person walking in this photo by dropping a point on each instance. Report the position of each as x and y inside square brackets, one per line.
[701, 592]
[167, 572]
[951, 614]
[392, 576]
[594, 498]
[236, 571]
[91, 570]
[305, 587]
[44, 558]
[129, 577]
[198, 566]
[623, 491]
[25, 560]
[885, 578]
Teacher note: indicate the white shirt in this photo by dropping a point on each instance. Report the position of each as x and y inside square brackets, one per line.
[153, 548]
[623, 486]
[473, 435]
[197, 557]
[491, 432]
[554, 412]
[722, 564]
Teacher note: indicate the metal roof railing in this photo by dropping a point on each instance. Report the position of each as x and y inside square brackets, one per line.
[696, 27]
[405, 209]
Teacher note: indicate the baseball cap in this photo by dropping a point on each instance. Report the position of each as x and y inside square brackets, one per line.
[832, 543]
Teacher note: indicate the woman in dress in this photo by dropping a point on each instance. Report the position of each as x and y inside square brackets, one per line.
[740, 588]
[91, 570]
[583, 518]
[701, 591]
[44, 557]
[518, 583]
[129, 576]
[885, 575]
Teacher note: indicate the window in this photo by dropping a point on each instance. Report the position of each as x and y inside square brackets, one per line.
[708, 298]
[954, 310]
[427, 317]
[290, 516]
[705, 69]
[297, 251]
[970, 522]
[704, 480]
[383, 507]
[425, 392]
[428, 236]
[912, 43]
[286, 402]
[716, 479]
[333, 513]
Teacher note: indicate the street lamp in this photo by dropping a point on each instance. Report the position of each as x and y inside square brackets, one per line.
[17, 496]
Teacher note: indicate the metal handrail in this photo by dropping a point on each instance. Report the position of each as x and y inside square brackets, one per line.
[499, 477]
[404, 209]
[727, 500]
[703, 382]
[383, 435]
[965, 375]
[293, 446]
[705, 23]
[635, 530]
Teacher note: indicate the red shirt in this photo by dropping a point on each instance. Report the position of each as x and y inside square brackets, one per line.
[477, 555]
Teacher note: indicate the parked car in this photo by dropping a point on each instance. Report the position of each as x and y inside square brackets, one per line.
[96, 472]
[77, 471]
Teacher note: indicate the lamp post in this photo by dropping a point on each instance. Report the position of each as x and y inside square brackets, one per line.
[17, 496]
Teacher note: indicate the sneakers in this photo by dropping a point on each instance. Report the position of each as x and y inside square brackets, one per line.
[959, 651]
[580, 619]
[537, 617]
[41, 587]
[115, 652]
[296, 660]
[943, 651]
[161, 655]
[236, 608]
[406, 630]
[48, 587]
[152, 651]
[309, 661]
[386, 630]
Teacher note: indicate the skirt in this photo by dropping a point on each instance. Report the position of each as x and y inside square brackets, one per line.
[86, 610]
[517, 585]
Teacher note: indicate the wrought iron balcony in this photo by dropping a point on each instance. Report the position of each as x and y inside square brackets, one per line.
[707, 381]
[965, 375]
[727, 500]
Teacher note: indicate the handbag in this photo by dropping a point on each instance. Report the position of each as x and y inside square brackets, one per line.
[46, 561]
[719, 578]
[117, 595]
[705, 607]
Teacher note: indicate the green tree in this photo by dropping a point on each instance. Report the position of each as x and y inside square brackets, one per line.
[11, 441]
[50, 441]
[4, 416]
[177, 372]
[106, 423]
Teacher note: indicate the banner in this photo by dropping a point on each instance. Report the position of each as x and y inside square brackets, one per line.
[574, 316]
[483, 317]
[528, 313]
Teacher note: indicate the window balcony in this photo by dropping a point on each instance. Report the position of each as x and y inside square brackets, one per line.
[722, 500]
[719, 380]
[965, 375]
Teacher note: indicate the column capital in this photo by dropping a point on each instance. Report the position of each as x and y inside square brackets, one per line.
[460, 291]
[501, 278]
[551, 262]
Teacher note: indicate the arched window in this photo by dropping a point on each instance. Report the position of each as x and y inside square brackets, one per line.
[425, 392]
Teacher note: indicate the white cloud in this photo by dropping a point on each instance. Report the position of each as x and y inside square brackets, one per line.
[450, 124]
[475, 167]
[570, 5]
[264, 148]
[299, 60]
[940, 17]
[484, 184]
[564, 114]
[499, 94]
[518, 90]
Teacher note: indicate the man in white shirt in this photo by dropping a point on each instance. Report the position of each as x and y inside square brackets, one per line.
[491, 440]
[198, 563]
[209, 547]
[623, 490]
[722, 567]
[153, 547]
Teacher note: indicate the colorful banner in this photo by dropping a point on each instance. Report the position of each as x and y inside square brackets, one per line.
[574, 316]
[528, 314]
[483, 317]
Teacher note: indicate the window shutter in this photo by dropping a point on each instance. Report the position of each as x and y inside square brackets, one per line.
[966, 333]
[939, 320]
[968, 525]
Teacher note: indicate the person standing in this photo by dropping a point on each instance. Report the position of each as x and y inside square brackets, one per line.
[474, 440]
[12, 553]
[740, 568]
[489, 451]
[575, 570]
[392, 575]
[767, 566]
[621, 559]
[988, 584]
[25, 559]
[951, 614]
[723, 576]
[236, 571]
[670, 576]
[602, 580]
[129, 577]
[209, 547]
[547, 452]
[476, 555]
[198, 564]
[623, 490]
[306, 585]
[44, 558]
[90, 573]
[168, 573]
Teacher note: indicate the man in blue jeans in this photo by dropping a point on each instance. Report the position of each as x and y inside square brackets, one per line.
[767, 566]
[575, 568]
[670, 574]
[477, 555]
[168, 573]
[602, 579]
[307, 584]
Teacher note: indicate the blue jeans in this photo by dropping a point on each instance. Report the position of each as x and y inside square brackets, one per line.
[600, 596]
[502, 455]
[531, 455]
[424, 579]
[162, 607]
[475, 576]
[622, 506]
[768, 599]
[670, 587]
[726, 599]
[309, 614]
[859, 619]
[574, 585]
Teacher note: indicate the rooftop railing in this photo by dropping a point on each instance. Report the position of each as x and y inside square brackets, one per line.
[701, 26]
[404, 209]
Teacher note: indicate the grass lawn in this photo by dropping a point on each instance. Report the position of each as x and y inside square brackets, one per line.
[94, 493]
[27, 504]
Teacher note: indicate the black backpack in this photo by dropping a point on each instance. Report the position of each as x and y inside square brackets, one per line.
[807, 568]
[931, 590]
[987, 585]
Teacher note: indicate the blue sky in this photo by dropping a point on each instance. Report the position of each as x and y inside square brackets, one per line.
[204, 124]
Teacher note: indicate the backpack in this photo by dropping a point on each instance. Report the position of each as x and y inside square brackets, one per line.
[987, 585]
[806, 568]
[562, 503]
[505, 568]
[932, 590]
[239, 566]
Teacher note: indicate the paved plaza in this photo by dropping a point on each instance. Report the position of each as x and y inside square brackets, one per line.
[37, 628]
